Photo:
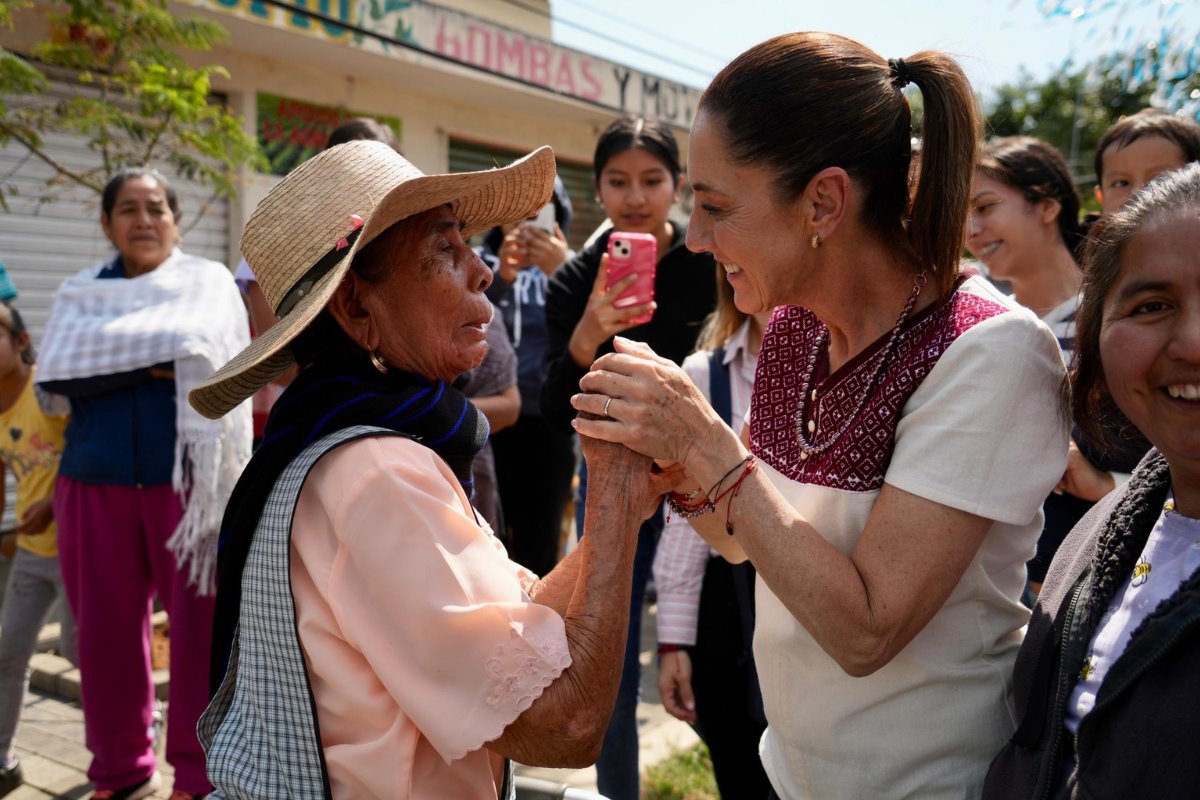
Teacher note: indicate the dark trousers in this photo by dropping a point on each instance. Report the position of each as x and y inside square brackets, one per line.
[617, 769]
[534, 467]
[728, 702]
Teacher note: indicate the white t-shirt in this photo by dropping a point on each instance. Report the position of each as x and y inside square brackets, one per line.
[967, 415]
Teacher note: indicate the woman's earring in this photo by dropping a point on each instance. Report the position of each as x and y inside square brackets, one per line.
[816, 241]
[377, 362]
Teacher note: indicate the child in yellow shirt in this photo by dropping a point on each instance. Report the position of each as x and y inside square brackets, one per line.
[31, 444]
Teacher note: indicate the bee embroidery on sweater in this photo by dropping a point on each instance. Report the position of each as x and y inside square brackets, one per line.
[1141, 572]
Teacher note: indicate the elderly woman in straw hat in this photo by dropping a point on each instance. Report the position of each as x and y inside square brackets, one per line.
[372, 638]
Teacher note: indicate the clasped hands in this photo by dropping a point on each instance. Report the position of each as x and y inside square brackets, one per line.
[645, 403]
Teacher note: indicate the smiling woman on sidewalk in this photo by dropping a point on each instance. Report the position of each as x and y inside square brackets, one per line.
[143, 478]
[1106, 677]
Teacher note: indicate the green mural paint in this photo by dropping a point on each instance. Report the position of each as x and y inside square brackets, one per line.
[292, 131]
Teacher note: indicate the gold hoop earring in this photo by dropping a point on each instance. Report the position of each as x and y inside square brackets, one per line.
[377, 362]
[815, 241]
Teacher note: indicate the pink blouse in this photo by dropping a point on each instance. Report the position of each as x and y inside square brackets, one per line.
[421, 640]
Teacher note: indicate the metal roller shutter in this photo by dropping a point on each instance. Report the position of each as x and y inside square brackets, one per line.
[588, 215]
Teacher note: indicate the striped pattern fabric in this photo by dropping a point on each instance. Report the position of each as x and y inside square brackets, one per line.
[1062, 322]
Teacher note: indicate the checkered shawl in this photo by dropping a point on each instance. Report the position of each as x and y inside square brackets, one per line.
[337, 392]
[187, 311]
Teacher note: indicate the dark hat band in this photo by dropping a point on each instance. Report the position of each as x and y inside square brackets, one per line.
[317, 271]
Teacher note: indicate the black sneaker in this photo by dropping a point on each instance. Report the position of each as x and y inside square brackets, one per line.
[10, 778]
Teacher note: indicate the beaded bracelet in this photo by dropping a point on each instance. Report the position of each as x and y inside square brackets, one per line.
[678, 503]
[682, 504]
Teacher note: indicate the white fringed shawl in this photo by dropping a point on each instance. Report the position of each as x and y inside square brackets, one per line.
[188, 311]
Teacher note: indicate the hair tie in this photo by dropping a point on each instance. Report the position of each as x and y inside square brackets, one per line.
[899, 72]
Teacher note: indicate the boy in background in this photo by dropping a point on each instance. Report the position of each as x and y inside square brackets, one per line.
[1138, 149]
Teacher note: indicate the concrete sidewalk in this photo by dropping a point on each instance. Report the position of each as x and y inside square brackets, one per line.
[50, 740]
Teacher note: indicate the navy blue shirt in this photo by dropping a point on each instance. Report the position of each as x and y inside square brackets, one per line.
[122, 427]
[523, 310]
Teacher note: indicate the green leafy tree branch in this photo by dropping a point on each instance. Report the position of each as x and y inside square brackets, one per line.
[136, 100]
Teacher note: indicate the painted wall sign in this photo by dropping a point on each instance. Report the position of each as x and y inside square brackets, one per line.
[292, 131]
[476, 42]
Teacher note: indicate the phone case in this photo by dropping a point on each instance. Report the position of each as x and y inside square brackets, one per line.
[544, 219]
[636, 253]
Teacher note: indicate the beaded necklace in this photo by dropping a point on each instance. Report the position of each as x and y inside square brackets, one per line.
[808, 448]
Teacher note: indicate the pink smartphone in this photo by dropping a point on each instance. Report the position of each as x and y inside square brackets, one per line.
[632, 253]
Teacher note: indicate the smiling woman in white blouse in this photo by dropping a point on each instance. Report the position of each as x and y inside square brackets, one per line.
[899, 446]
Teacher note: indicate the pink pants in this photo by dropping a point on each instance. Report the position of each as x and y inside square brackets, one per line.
[111, 542]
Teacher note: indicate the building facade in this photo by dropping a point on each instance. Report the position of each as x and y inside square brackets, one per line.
[466, 84]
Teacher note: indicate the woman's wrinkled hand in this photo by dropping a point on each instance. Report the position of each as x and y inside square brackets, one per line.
[615, 470]
[602, 319]
[1082, 479]
[654, 409]
[675, 685]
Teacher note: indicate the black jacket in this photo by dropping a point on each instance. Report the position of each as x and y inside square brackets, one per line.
[1140, 738]
[685, 289]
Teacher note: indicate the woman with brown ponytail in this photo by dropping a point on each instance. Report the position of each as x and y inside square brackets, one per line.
[889, 489]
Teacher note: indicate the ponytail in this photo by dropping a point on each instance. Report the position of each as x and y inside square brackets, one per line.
[938, 217]
[802, 102]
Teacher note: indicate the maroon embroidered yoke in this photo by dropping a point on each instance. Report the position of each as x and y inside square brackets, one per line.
[858, 461]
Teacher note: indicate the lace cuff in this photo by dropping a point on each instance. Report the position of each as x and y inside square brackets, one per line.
[519, 670]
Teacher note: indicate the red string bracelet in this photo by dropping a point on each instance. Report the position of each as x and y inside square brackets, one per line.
[685, 505]
[733, 492]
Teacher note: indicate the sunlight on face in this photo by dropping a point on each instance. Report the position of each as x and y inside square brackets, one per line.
[1150, 337]
[738, 219]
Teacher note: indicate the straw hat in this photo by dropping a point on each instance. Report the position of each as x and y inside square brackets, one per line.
[301, 239]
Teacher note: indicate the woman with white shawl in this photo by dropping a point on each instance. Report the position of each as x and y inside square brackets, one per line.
[144, 478]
